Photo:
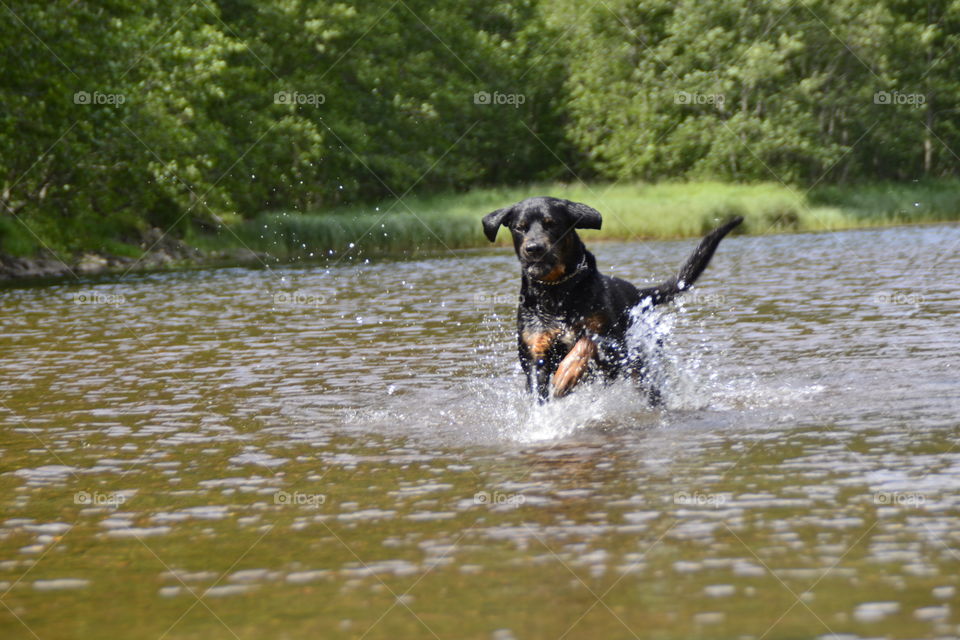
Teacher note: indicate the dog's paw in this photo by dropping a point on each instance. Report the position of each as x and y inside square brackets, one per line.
[573, 367]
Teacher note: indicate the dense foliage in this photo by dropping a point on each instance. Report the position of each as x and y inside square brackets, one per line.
[116, 116]
[799, 91]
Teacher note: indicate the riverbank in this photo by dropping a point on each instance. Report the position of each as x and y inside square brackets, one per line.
[451, 221]
[157, 252]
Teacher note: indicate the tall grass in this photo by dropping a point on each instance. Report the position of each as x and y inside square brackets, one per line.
[893, 203]
[630, 211]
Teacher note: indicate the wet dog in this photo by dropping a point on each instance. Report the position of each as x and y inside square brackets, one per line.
[572, 320]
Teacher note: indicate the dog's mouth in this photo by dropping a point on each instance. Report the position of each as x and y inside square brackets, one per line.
[543, 268]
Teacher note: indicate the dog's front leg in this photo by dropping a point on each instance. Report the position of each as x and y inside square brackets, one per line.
[573, 366]
[536, 355]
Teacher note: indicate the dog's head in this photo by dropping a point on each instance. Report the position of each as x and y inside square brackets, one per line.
[543, 231]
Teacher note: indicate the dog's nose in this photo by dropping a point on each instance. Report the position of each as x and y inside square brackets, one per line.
[534, 248]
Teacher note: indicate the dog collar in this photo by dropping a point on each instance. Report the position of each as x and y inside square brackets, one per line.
[580, 267]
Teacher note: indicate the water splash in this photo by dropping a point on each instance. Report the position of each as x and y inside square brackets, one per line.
[683, 373]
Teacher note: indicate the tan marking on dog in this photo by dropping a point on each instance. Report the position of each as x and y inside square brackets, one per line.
[539, 343]
[560, 270]
[573, 366]
[555, 274]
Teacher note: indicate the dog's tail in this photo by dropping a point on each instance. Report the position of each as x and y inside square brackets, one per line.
[691, 269]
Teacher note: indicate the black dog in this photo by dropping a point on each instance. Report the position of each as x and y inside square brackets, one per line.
[572, 320]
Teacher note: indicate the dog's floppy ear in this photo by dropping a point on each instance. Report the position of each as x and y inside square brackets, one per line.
[584, 217]
[493, 220]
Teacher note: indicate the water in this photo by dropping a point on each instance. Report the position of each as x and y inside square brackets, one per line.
[346, 452]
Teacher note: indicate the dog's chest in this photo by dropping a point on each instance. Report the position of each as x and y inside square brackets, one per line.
[562, 329]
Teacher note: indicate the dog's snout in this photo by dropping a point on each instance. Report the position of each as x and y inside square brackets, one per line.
[535, 248]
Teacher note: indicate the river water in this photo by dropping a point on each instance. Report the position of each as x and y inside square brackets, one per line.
[345, 451]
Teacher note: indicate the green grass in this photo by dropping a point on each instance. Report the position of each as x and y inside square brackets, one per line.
[668, 210]
[893, 203]
[630, 211]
